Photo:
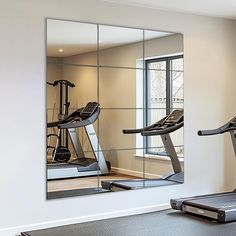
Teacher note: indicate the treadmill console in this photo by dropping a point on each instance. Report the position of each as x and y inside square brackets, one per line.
[90, 108]
[174, 117]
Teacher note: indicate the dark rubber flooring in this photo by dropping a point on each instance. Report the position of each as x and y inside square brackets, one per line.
[162, 223]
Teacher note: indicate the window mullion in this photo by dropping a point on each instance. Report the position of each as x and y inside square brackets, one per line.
[146, 110]
[168, 87]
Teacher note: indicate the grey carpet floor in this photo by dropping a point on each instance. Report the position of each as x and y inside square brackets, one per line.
[166, 223]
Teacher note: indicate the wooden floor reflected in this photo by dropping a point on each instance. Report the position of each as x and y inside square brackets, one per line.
[85, 182]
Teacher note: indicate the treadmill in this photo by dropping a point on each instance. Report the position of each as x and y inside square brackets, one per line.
[220, 206]
[163, 127]
[82, 166]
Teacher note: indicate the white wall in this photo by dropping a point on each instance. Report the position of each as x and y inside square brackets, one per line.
[209, 49]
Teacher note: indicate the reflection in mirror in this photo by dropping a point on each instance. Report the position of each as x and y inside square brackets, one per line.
[161, 44]
[120, 46]
[75, 148]
[164, 94]
[72, 110]
[68, 187]
[161, 143]
[81, 76]
[118, 88]
[72, 42]
[112, 122]
[102, 80]
[124, 169]
[162, 128]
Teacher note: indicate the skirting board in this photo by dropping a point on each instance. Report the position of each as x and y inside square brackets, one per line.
[134, 173]
[13, 231]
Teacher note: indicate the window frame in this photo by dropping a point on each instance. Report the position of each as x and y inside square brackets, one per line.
[169, 99]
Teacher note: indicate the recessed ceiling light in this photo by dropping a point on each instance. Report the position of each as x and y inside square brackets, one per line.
[60, 50]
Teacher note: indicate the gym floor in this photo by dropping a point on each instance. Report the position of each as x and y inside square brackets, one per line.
[162, 223]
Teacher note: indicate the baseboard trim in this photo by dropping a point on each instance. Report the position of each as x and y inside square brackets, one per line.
[141, 210]
[134, 173]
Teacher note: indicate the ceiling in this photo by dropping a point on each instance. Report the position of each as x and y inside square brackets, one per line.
[218, 8]
[76, 38]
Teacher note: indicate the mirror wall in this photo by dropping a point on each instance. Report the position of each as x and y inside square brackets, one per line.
[101, 80]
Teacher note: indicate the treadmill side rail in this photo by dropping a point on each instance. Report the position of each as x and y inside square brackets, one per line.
[200, 211]
[177, 204]
[222, 215]
[220, 206]
[227, 215]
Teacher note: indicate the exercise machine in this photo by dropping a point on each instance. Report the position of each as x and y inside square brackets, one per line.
[82, 166]
[62, 152]
[163, 127]
[220, 206]
[63, 139]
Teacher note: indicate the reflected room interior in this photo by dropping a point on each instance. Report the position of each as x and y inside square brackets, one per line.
[104, 84]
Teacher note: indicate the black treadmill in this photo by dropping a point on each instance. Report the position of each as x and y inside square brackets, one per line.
[163, 127]
[82, 166]
[220, 206]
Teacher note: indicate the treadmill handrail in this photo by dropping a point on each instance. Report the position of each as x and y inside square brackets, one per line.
[133, 131]
[62, 81]
[163, 130]
[80, 123]
[230, 126]
[70, 117]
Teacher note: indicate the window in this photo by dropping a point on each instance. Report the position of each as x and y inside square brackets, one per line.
[164, 93]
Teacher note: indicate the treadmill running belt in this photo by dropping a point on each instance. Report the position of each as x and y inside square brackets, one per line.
[215, 202]
[135, 184]
[60, 166]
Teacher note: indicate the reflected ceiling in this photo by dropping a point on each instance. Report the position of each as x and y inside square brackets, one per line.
[66, 35]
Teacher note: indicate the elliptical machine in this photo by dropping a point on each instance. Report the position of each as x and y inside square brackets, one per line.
[61, 152]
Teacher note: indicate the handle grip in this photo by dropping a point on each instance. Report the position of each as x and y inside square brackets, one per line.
[162, 131]
[132, 131]
[209, 132]
[66, 82]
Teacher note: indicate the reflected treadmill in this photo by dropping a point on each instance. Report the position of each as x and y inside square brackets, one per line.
[82, 166]
[221, 206]
[163, 127]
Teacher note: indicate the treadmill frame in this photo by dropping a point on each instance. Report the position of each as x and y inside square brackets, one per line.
[169, 147]
[221, 214]
[70, 170]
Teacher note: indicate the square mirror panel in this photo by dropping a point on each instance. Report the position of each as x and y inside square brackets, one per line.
[113, 123]
[120, 47]
[72, 42]
[123, 87]
[115, 100]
